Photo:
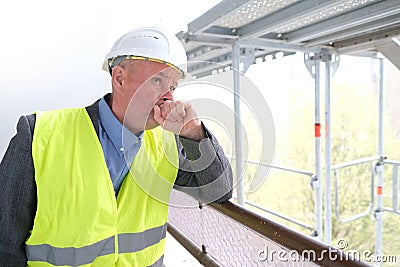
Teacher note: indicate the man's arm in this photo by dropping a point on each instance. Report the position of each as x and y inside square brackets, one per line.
[17, 195]
[204, 171]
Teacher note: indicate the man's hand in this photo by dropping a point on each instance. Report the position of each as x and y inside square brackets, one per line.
[180, 118]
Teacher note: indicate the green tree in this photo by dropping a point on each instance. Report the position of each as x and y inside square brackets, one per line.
[354, 136]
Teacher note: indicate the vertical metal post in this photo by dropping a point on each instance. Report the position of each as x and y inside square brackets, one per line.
[318, 165]
[238, 129]
[313, 65]
[379, 166]
[328, 148]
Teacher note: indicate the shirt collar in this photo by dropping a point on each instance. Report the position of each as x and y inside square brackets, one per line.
[120, 136]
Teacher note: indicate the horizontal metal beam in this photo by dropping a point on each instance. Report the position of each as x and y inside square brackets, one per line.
[202, 69]
[292, 13]
[212, 16]
[212, 64]
[281, 46]
[354, 162]
[207, 53]
[277, 214]
[220, 31]
[367, 43]
[350, 19]
[351, 32]
[209, 40]
[394, 162]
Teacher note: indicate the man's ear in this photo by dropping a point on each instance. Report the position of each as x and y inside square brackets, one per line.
[118, 75]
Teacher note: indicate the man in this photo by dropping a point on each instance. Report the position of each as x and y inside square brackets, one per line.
[90, 186]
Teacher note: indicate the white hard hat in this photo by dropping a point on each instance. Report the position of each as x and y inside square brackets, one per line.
[149, 43]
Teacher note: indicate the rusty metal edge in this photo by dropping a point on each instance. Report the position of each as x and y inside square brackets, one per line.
[286, 237]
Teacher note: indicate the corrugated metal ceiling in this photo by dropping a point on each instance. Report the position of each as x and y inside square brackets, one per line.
[359, 27]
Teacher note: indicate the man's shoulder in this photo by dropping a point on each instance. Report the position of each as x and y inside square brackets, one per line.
[30, 119]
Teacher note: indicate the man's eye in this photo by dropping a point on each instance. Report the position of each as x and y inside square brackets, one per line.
[157, 82]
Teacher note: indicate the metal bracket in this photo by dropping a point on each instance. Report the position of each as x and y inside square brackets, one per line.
[325, 56]
[314, 182]
[247, 58]
[378, 213]
[242, 57]
[379, 165]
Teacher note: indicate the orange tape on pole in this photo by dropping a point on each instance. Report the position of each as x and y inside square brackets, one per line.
[317, 130]
[380, 189]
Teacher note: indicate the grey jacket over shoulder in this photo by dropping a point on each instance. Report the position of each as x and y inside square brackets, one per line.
[18, 189]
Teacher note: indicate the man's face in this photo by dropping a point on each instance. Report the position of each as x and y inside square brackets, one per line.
[147, 84]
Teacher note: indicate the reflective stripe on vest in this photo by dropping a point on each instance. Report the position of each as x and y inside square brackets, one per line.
[78, 219]
[84, 255]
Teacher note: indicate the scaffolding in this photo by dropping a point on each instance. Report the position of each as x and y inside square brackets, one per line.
[236, 33]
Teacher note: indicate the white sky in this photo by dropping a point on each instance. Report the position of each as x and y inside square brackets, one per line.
[51, 51]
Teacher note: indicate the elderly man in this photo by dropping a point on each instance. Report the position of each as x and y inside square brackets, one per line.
[90, 186]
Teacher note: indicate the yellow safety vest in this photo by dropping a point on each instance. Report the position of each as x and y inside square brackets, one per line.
[79, 221]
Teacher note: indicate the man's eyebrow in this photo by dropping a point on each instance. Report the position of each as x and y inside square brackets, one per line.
[163, 74]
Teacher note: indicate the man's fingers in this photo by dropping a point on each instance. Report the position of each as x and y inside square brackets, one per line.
[166, 109]
[158, 116]
[175, 111]
[180, 118]
[178, 111]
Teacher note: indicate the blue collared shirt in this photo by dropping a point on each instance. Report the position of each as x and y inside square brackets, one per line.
[120, 145]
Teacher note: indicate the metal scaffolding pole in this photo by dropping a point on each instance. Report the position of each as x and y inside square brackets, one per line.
[313, 64]
[379, 165]
[317, 182]
[328, 152]
[238, 128]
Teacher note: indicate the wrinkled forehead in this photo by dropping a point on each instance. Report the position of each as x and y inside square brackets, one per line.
[149, 65]
[150, 69]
